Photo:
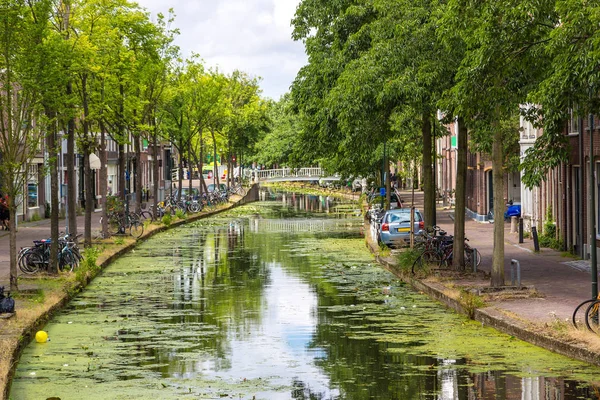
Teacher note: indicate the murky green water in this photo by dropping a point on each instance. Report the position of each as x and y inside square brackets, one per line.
[273, 301]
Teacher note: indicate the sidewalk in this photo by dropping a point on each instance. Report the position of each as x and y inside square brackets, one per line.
[27, 232]
[562, 281]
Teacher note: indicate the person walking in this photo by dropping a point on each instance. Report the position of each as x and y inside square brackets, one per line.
[4, 213]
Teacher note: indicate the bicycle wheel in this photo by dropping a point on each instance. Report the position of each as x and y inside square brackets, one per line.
[23, 261]
[578, 318]
[67, 261]
[592, 316]
[240, 190]
[194, 207]
[136, 229]
[34, 262]
[144, 215]
[114, 225]
[427, 258]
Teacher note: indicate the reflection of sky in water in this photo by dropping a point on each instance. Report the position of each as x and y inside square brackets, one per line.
[278, 348]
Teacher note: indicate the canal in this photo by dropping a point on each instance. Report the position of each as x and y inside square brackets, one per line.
[279, 299]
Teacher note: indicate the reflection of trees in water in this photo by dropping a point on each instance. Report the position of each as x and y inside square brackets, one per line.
[302, 391]
[305, 205]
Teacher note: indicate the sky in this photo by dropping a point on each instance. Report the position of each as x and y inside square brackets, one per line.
[253, 36]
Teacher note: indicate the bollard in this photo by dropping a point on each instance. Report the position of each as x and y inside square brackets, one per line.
[474, 259]
[536, 244]
[512, 273]
[513, 224]
[521, 230]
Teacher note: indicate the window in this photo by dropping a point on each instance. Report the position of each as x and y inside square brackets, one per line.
[32, 186]
[573, 123]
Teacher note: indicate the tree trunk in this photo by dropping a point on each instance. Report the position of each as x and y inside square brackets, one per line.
[89, 197]
[200, 163]
[53, 151]
[460, 199]
[71, 180]
[428, 200]
[215, 168]
[12, 237]
[498, 182]
[180, 178]
[122, 168]
[88, 176]
[155, 167]
[388, 194]
[138, 172]
[103, 179]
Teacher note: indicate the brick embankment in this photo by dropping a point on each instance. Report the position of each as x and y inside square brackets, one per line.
[555, 284]
[17, 332]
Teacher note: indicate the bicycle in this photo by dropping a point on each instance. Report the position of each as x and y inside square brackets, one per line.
[121, 222]
[237, 188]
[36, 258]
[438, 248]
[592, 308]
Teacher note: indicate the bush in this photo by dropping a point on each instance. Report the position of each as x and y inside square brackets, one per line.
[114, 203]
[88, 268]
[407, 258]
[166, 219]
[180, 214]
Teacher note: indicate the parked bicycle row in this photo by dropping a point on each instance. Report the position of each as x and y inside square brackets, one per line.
[36, 258]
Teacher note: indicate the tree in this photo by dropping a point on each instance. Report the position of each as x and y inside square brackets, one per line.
[20, 109]
[502, 63]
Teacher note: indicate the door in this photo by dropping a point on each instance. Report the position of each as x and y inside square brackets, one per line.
[490, 192]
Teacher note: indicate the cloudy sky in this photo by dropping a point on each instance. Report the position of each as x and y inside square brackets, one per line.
[250, 35]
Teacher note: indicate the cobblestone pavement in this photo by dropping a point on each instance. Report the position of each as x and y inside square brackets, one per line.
[562, 281]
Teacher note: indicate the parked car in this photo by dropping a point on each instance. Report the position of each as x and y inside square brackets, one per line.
[395, 202]
[185, 191]
[222, 187]
[394, 230]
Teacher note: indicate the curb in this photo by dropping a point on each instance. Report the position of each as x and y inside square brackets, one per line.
[26, 333]
[493, 318]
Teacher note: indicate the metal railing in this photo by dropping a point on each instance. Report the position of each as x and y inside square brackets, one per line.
[308, 172]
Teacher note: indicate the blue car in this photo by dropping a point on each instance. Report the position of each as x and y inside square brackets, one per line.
[394, 230]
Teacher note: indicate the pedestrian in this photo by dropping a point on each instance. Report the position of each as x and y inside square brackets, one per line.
[4, 213]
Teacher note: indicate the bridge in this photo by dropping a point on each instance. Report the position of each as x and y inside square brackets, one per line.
[265, 175]
[293, 174]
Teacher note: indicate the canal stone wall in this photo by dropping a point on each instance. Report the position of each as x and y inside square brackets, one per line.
[20, 338]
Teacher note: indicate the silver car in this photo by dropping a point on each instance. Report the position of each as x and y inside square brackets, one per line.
[394, 230]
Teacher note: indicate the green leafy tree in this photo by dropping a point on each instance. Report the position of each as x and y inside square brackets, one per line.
[20, 108]
[502, 63]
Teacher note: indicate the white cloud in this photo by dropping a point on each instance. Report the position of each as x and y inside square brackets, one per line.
[250, 35]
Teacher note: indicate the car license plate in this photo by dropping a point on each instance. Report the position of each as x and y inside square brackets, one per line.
[403, 230]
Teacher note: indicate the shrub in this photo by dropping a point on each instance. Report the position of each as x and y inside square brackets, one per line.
[166, 219]
[180, 214]
[407, 258]
[88, 268]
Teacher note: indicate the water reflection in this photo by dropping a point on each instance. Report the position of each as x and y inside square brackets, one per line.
[275, 301]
